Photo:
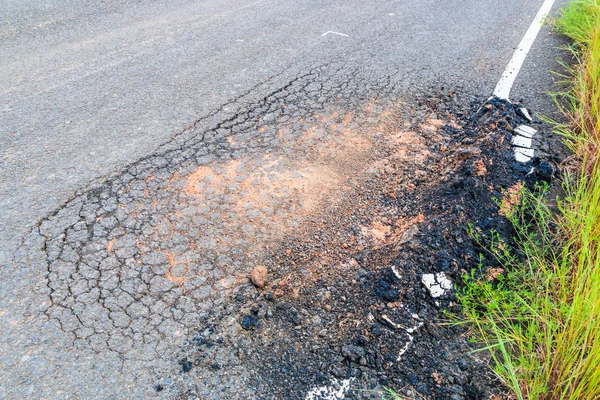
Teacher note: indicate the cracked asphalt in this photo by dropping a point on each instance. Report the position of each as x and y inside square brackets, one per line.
[154, 152]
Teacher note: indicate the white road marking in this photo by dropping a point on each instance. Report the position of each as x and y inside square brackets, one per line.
[527, 152]
[334, 33]
[522, 158]
[525, 130]
[507, 80]
[521, 141]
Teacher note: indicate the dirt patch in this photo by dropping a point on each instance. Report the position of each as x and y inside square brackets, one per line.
[261, 198]
[253, 186]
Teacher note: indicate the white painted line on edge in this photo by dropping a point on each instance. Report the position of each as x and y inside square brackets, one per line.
[521, 141]
[528, 152]
[507, 80]
[522, 158]
[334, 33]
[525, 130]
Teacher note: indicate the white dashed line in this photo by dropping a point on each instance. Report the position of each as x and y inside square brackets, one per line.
[507, 80]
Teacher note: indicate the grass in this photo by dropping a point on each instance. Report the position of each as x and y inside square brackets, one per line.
[540, 319]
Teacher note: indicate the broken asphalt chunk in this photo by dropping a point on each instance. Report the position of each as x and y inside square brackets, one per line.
[437, 284]
[522, 112]
[521, 141]
[525, 130]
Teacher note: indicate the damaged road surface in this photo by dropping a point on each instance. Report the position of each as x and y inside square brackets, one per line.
[348, 213]
[300, 238]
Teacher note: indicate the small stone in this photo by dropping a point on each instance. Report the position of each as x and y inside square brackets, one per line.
[270, 313]
[262, 312]
[258, 276]
[327, 307]
[353, 353]
[186, 365]
[545, 171]
[294, 317]
[468, 152]
[249, 322]
[338, 372]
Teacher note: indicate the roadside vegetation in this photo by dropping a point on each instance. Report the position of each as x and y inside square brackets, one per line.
[539, 312]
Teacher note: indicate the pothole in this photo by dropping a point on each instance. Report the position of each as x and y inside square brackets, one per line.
[147, 259]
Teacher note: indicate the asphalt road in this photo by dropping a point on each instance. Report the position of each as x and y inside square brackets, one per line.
[88, 88]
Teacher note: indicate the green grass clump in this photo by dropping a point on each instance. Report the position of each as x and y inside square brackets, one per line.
[580, 21]
[540, 319]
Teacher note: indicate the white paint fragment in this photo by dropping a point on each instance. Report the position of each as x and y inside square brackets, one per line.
[522, 158]
[336, 390]
[414, 328]
[411, 338]
[409, 332]
[392, 323]
[334, 33]
[404, 349]
[523, 155]
[525, 130]
[521, 141]
[395, 271]
[527, 152]
[507, 80]
[525, 114]
[438, 284]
